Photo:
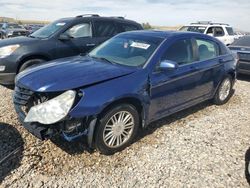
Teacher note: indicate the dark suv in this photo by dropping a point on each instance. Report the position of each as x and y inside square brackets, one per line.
[62, 38]
[9, 30]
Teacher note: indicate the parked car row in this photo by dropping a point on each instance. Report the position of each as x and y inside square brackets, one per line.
[31, 28]
[242, 48]
[121, 81]
[9, 30]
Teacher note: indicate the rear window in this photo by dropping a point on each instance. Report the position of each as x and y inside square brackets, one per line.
[128, 27]
[207, 49]
[105, 29]
[199, 29]
[244, 41]
[230, 31]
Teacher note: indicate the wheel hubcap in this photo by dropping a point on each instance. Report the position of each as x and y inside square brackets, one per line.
[118, 129]
[225, 89]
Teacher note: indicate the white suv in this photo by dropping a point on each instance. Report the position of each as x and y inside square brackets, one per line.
[221, 31]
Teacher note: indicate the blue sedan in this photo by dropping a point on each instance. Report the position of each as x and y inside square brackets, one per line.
[124, 84]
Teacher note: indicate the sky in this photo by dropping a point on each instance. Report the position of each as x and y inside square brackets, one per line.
[156, 12]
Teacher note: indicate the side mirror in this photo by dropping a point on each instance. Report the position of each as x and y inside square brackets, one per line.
[168, 65]
[64, 37]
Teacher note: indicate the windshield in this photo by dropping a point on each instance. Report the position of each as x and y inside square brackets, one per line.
[14, 26]
[199, 29]
[48, 30]
[244, 41]
[130, 50]
[230, 31]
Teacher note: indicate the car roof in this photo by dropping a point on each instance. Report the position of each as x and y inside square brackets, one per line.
[206, 25]
[166, 34]
[118, 19]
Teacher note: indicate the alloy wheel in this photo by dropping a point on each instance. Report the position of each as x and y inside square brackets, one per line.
[118, 129]
[225, 89]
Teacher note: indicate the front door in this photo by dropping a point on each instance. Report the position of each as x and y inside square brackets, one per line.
[170, 90]
[81, 40]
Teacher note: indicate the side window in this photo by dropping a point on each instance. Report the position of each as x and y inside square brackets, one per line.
[105, 29]
[128, 27]
[80, 30]
[210, 30]
[218, 32]
[180, 52]
[207, 49]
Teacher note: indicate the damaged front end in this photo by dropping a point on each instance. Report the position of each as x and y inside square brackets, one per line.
[70, 128]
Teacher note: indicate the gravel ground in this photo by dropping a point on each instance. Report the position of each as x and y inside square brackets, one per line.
[203, 146]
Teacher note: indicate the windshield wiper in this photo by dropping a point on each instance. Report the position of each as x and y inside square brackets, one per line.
[103, 59]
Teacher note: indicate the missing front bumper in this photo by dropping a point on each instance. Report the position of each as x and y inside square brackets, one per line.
[73, 132]
[39, 131]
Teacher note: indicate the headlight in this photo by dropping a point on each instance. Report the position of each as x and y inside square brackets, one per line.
[8, 50]
[53, 110]
[10, 33]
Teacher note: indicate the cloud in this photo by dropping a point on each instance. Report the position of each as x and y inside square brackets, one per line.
[156, 12]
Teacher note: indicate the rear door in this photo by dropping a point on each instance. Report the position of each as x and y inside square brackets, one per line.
[81, 40]
[104, 29]
[207, 67]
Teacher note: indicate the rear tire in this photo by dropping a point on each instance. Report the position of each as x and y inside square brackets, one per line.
[117, 129]
[224, 91]
[30, 63]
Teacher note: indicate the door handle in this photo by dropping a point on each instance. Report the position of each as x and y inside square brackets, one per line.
[222, 60]
[194, 68]
[91, 44]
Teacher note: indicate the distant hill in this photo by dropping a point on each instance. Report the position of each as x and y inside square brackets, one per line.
[6, 19]
[168, 28]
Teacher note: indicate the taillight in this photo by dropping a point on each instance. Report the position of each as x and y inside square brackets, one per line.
[236, 56]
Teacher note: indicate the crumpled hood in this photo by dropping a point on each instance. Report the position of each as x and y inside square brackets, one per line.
[70, 73]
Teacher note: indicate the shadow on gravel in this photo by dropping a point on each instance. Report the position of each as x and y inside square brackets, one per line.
[11, 149]
[247, 166]
[172, 118]
[73, 148]
[243, 77]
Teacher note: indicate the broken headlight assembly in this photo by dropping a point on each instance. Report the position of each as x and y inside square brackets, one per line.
[53, 110]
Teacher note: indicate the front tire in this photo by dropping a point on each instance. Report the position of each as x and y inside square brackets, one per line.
[224, 91]
[117, 129]
[30, 63]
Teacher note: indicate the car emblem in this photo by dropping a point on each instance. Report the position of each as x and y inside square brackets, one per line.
[19, 33]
